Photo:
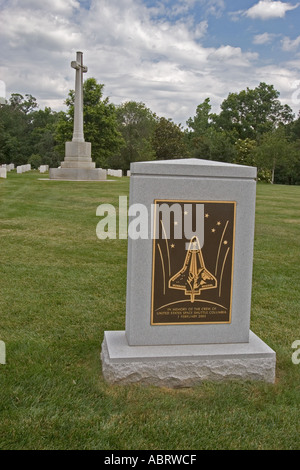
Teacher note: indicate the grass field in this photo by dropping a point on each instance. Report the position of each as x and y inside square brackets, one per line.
[61, 287]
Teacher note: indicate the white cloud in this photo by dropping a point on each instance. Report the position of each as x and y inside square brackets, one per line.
[201, 29]
[290, 44]
[160, 62]
[233, 56]
[58, 6]
[264, 38]
[139, 53]
[214, 7]
[267, 9]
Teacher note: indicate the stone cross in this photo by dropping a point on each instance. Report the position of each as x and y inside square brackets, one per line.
[78, 106]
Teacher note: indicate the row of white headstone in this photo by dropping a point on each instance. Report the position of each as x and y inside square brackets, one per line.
[9, 167]
[23, 168]
[5, 168]
[43, 168]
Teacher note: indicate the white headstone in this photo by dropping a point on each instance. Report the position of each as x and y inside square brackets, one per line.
[2, 353]
[3, 172]
[43, 168]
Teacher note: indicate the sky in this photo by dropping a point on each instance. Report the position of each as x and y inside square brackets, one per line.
[169, 54]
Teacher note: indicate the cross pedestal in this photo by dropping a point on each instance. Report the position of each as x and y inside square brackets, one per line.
[78, 164]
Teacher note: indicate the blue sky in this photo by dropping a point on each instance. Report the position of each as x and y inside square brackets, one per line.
[169, 54]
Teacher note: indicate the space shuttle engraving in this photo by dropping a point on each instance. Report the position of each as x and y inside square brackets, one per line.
[193, 276]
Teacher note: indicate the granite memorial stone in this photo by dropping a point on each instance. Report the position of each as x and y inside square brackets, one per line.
[188, 300]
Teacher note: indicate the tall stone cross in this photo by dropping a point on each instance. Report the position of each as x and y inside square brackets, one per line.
[77, 64]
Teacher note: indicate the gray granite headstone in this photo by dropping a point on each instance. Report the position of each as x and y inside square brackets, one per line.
[189, 279]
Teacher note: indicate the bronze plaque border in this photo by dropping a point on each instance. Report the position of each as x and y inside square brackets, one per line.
[187, 201]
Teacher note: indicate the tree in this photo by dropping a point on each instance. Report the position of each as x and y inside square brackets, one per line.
[251, 113]
[168, 140]
[26, 106]
[16, 126]
[293, 129]
[43, 141]
[202, 120]
[205, 139]
[220, 146]
[245, 152]
[35, 160]
[276, 151]
[137, 125]
[100, 123]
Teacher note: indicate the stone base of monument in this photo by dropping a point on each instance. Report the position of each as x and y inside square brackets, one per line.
[78, 164]
[185, 365]
[77, 174]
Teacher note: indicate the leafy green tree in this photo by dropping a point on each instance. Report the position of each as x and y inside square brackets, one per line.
[43, 141]
[137, 125]
[205, 139]
[293, 129]
[221, 147]
[25, 105]
[15, 129]
[245, 152]
[276, 151]
[201, 122]
[168, 140]
[100, 123]
[35, 161]
[251, 113]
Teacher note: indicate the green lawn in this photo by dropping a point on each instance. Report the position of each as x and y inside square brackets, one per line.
[61, 287]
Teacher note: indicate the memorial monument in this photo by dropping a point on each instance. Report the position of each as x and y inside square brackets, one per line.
[78, 164]
[188, 300]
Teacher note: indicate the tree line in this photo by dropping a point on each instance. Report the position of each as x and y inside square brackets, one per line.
[252, 128]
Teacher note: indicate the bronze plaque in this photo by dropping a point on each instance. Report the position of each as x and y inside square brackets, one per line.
[192, 267]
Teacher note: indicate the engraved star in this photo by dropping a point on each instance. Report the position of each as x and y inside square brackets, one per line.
[206, 216]
[218, 223]
[172, 246]
[225, 242]
[213, 230]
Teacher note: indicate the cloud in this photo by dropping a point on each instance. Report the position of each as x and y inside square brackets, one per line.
[157, 60]
[233, 56]
[214, 7]
[288, 44]
[57, 6]
[139, 53]
[264, 38]
[267, 9]
[201, 29]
